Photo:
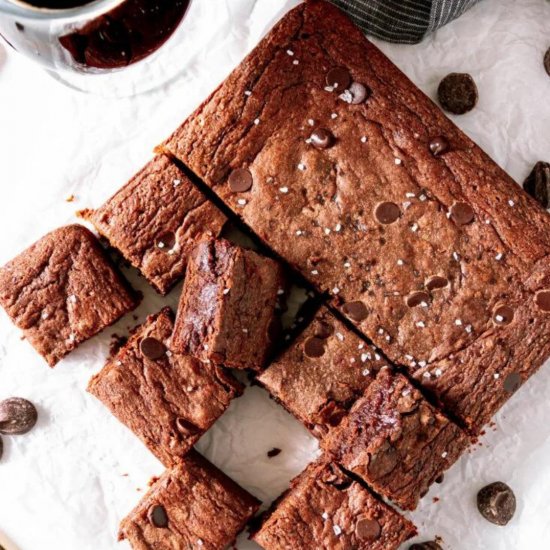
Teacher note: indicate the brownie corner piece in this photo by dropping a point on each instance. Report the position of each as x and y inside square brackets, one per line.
[192, 505]
[168, 400]
[63, 290]
[325, 508]
[228, 308]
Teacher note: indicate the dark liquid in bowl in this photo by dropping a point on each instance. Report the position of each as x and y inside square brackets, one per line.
[57, 4]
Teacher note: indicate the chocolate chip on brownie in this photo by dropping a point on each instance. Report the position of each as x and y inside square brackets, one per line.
[357, 311]
[436, 282]
[17, 416]
[321, 138]
[496, 503]
[457, 93]
[314, 347]
[185, 427]
[462, 213]
[547, 61]
[439, 145]
[240, 180]
[537, 183]
[503, 315]
[355, 94]
[542, 299]
[338, 78]
[512, 382]
[418, 298]
[167, 240]
[387, 212]
[152, 348]
[368, 529]
[157, 516]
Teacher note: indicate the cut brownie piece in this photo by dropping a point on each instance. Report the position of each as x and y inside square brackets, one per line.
[326, 509]
[227, 312]
[168, 400]
[193, 505]
[63, 290]
[155, 220]
[358, 180]
[395, 440]
[322, 373]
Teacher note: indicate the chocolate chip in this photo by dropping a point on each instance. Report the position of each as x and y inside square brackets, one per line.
[357, 311]
[462, 213]
[338, 78]
[547, 61]
[439, 479]
[496, 503]
[457, 93]
[367, 529]
[417, 298]
[185, 427]
[436, 282]
[512, 382]
[323, 329]
[321, 138]
[273, 452]
[503, 315]
[157, 516]
[542, 299]
[537, 183]
[384, 461]
[167, 240]
[387, 212]
[358, 92]
[152, 348]
[314, 347]
[430, 545]
[17, 416]
[439, 145]
[240, 180]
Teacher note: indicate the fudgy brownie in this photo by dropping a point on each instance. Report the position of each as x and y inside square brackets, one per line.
[227, 311]
[322, 373]
[192, 506]
[155, 220]
[63, 290]
[325, 509]
[345, 169]
[168, 400]
[395, 440]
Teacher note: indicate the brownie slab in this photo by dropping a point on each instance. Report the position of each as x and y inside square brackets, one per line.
[227, 311]
[168, 400]
[155, 220]
[351, 174]
[325, 509]
[63, 290]
[395, 440]
[193, 505]
[322, 373]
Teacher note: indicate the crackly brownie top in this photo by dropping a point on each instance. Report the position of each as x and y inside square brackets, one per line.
[167, 399]
[62, 290]
[156, 219]
[326, 509]
[193, 505]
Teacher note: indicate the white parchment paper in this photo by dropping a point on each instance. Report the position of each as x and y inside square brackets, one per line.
[67, 484]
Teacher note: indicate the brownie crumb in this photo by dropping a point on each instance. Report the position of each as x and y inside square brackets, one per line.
[70, 198]
[116, 343]
[274, 452]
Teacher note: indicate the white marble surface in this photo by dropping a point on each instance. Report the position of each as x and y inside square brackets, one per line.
[62, 487]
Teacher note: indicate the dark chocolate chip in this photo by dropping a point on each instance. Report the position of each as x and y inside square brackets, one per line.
[152, 348]
[339, 78]
[167, 240]
[503, 315]
[462, 213]
[383, 461]
[157, 516]
[358, 92]
[457, 93]
[273, 452]
[367, 529]
[542, 299]
[357, 311]
[314, 347]
[321, 138]
[430, 545]
[512, 382]
[185, 427]
[17, 416]
[240, 180]
[417, 298]
[439, 145]
[323, 330]
[436, 282]
[439, 479]
[19, 26]
[547, 61]
[496, 503]
[387, 212]
[537, 183]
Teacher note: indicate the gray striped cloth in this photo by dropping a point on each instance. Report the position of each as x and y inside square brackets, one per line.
[406, 21]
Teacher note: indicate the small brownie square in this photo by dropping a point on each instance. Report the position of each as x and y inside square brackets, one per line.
[395, 440]
[192, 506]
[326, 509]
[168, 400]
[322, 373]
[227, 311]
[155, 220]
[63, 290]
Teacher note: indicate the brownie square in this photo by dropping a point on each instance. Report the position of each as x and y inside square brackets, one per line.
[326, 509]
[193, 505]
[319, 376]
[395, 440]
[168, 400]
[155, 220]
[228, 308]
[63, 290]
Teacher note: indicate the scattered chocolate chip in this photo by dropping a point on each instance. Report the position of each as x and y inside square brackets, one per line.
[357, 311]
[321, 138]
[439, 145]
[323, 330]
[19, 26]
[542, 299]
[547, 61]
[358, 92]
[152, 348]
[185, 427]
[439, 479]
[367, 529]
[417, 298]
[512, 382]
[462, 213]
[387, 212]
[273, 452]
[496, 503]
[157, 516]
[314, 347]
[457, 93]
[436, 282]
[167, 240]
[17, 416]
[240, 180]
[338, 78]
[430, 545]
[537, 183]
[503, 315]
